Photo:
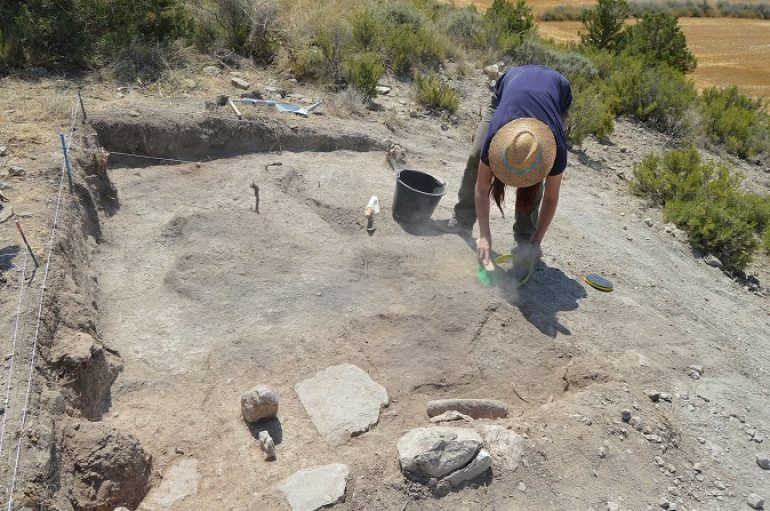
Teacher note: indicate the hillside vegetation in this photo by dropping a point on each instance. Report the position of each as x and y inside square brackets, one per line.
[638, 71]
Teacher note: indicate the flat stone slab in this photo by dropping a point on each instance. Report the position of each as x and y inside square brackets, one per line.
[342, 402]
[436, 452]
[180, 482]
[314, 488]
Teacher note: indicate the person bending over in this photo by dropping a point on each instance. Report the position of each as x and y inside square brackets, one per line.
[521, 141]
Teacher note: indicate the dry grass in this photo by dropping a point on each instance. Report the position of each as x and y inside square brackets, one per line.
[730, 51]
[345, 104]
[32, 114]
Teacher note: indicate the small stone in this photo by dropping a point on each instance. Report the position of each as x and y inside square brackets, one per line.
[636, 422]
[267, 444]
[712, 260]
[695, 375]
[663, 502]
[259, 403]
[673, 490]
[629, 237]
[755, 501]
[133, 113]
[121, 509]
[697, 368]
[763, 461]
[382, 90]
[671, 468]
[451, 415]
[701, 440]
[211, 70]
[522, 487]
[3, 150]
[653, 438]
[240, 83]
[697, 467]
[648, 221]
[719, 485]
[659, 461]
[491, 71]
[654, 395]
[665, 396]
[16, 171]
[684, 395]
[699, 478]
[613, 506]
[670, 228]
[758, 438]
[6, 213]
[625, 415]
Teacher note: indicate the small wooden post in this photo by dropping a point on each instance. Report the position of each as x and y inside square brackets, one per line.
[24, 239]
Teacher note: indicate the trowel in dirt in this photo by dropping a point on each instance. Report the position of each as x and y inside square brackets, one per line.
[373, 208]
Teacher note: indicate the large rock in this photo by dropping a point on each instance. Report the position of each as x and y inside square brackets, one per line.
[259, 403]
[342, 401]
[435, 452]
[476, 408]
[314, 488]
[505, 446]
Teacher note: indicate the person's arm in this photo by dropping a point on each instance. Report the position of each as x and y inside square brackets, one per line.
[481, 197]
[547, 210]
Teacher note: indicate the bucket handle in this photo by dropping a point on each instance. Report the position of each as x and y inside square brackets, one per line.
[396, 157]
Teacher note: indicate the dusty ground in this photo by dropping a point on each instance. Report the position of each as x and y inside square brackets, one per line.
[203, 298]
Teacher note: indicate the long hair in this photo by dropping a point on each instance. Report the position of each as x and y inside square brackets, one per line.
[525, 197]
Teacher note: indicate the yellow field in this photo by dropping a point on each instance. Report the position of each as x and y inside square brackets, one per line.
[730, 51]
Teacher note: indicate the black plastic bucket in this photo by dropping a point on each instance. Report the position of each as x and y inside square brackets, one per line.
[416, 197]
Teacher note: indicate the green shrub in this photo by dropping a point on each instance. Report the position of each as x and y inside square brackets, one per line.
[334, 42]
[590, 114]
[657, 38]
[573, 65]
[409, 51]
[737, 122]
[308, 64]
[510, 18]
[364, 71]
[707, 201]
[434, 94]
[604, 24]
[659, 96]
[250, 28]
[466, 27]
[81, 32]
[766, 240]
[366, 29]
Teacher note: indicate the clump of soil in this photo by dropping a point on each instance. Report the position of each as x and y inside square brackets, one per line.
[103, 467]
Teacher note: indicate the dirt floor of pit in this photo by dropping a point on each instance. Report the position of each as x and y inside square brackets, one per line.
[204, 298]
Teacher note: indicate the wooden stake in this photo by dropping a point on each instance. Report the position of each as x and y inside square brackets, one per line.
[24, 238]
[235, 108]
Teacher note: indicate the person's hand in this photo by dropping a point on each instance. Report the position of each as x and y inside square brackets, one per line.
[484, 247]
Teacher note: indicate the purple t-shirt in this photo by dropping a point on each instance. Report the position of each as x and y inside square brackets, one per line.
[532, 91]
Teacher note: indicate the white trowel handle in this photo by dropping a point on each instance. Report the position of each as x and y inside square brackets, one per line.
[373, 206]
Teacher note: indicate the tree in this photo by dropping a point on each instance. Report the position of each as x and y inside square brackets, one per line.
[658, 38]
[604, 24]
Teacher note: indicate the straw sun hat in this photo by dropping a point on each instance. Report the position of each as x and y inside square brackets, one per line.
[522, 152]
